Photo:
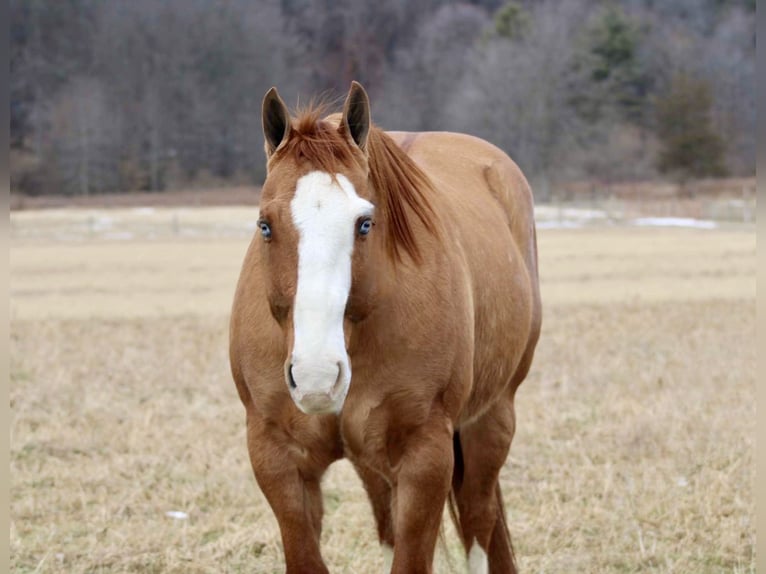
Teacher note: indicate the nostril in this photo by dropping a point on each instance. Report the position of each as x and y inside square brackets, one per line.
[290, 378]
[336, 386]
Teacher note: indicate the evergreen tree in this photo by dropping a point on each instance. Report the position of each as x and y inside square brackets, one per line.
[608, 68]
[690, 146]
[511, 21]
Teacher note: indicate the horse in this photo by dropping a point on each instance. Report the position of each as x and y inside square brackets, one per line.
[387, 310]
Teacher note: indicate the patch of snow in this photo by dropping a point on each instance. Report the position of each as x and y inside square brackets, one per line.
[579, 213]
[675, 222]
[554, 224]
[103, 222]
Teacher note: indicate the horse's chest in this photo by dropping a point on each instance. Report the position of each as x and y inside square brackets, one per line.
[375, 432]
[363, 431]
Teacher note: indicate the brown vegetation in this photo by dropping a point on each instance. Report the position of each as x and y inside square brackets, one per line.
[175, 198]
[648, 191]
[634, 449]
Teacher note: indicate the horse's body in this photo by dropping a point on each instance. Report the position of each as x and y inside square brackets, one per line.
[439, 323]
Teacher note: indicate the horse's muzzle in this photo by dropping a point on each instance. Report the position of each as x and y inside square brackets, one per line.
[317, 403]
[317, 390]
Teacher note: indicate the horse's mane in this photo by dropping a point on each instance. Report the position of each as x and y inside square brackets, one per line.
[402, 187]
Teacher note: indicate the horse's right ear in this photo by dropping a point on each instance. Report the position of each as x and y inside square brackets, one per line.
[276, 121]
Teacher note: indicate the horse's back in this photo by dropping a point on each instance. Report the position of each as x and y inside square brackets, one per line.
[489, 205]
[470, 166]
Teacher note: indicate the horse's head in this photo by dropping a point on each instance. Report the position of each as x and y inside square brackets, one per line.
[317, 224]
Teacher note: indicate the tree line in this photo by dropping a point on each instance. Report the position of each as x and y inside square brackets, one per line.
[122, 95]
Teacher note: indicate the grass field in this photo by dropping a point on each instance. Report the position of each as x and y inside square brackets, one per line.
[635, 443]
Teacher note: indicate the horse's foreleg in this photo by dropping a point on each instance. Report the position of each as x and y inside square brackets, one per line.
[422, 483]
[380, 495]
[485, 444]
[294, 496]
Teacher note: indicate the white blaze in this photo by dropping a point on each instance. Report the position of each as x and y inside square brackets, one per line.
[477, 560]
[325, 213]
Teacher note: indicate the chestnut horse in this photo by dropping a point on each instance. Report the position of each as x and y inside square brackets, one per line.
[387, 310]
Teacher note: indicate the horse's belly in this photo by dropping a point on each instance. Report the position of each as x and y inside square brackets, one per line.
[502, 298]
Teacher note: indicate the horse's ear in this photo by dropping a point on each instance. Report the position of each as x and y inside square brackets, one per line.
[356, 115]
[276, 121]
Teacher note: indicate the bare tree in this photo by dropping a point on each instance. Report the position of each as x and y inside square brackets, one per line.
[427, 73]
[113, 95]
[729, 66]
[515, 95]
[84, 138]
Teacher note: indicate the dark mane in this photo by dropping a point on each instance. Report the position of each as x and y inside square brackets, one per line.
[402, 187]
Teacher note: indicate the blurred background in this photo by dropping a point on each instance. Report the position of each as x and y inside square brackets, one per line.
[112, 96]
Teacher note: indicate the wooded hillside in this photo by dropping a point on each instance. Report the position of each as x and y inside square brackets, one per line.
[130, 95]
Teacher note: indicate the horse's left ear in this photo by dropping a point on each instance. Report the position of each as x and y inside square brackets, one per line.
[356, 115]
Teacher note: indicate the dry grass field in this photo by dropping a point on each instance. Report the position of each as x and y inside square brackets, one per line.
[635, 443]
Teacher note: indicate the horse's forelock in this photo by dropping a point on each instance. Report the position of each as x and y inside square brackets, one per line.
[402, 187]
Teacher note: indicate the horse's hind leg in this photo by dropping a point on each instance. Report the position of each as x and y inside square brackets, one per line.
[484, 446]
[293, 494]
[380, 495]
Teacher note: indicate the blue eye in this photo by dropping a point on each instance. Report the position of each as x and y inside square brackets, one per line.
[265, 229]
[365, 226]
